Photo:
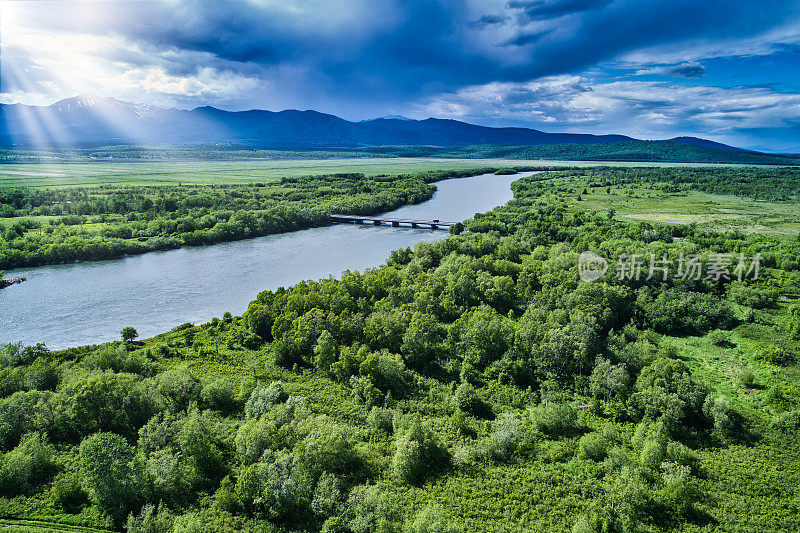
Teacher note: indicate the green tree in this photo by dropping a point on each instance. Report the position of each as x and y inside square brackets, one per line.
[111, 475]
[129, 333]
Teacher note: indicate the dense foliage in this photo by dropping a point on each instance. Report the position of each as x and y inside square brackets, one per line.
[39, 226]
[471, 384]
[640, 151]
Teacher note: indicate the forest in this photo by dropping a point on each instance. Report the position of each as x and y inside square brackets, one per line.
[472, 384]
[640, 151]
[55, 225]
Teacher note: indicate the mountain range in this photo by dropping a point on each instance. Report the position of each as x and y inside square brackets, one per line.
[94, 120]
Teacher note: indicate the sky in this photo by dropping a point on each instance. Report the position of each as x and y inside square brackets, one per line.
[726, 70]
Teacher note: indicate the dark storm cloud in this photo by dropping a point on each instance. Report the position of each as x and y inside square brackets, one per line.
[524, 39]
[688, 71]
[394, 49]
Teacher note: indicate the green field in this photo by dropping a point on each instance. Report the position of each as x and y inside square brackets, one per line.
[721, 212]
[242, 172]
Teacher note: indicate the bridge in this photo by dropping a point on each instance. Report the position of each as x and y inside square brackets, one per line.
[394, 222]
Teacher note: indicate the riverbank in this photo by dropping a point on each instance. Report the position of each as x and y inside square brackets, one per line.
[98, 223]
[9, 282]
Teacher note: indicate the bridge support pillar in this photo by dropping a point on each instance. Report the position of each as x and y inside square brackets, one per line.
[395, 224]
[414, 225]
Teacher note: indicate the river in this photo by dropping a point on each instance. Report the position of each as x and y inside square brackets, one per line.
[90, 302]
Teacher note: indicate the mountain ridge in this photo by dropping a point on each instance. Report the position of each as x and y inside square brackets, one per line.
[92, 119]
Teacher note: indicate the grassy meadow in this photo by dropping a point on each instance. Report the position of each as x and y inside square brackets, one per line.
[82, 174]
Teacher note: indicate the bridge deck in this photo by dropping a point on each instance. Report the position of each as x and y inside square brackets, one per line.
[393, 221]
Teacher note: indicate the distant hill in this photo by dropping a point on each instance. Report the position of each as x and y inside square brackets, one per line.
[92, 121]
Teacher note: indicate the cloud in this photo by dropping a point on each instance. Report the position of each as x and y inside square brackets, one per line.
[364, 58]
[488, 20]
[525, 39]
[647, 109]
[688, 71]
[684, 70]
[546, 9]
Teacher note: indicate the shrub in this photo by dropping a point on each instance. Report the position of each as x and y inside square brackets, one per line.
[718, 411]
[369, 510]
[381, 419]
[27, 465]
[179, 386]
[261, 400]
[467, 401]
[418, 452]
[776, 355]
[219, 395]
[787, 423]
[592, 446]
[753, 297]
[507, 437]
[68, 493]
[327, 447]
[151, 520]
[746, 378]
[278, 486]
[364, 391]
[432, 519]
[555, 419]
[719, 338]
[328, 495]
[678, 493]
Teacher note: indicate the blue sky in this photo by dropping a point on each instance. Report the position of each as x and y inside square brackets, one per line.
[723, 70]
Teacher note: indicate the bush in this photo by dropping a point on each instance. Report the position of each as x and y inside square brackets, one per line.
[418, 452]
[467, 401]
[219, 395]
[179, 386]
[68, 493]
[776, 355]
[787, 423]
[678, 493]
[26, 466]
[432, 519]
[753, 297]
[719, 338]
[507, 437]
[592, 446]
[556, 419]
[718, 411]
[110, 474]
[151, 520]
[327, 447]
[328, 495]
[261, 400]
[381, 419]
[746, 378]
[371, 511]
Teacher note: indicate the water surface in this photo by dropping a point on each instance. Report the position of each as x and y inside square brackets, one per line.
[84, 303]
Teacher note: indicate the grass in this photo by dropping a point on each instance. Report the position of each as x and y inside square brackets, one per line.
[719, 212]
[233, 172]
[37, 526]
